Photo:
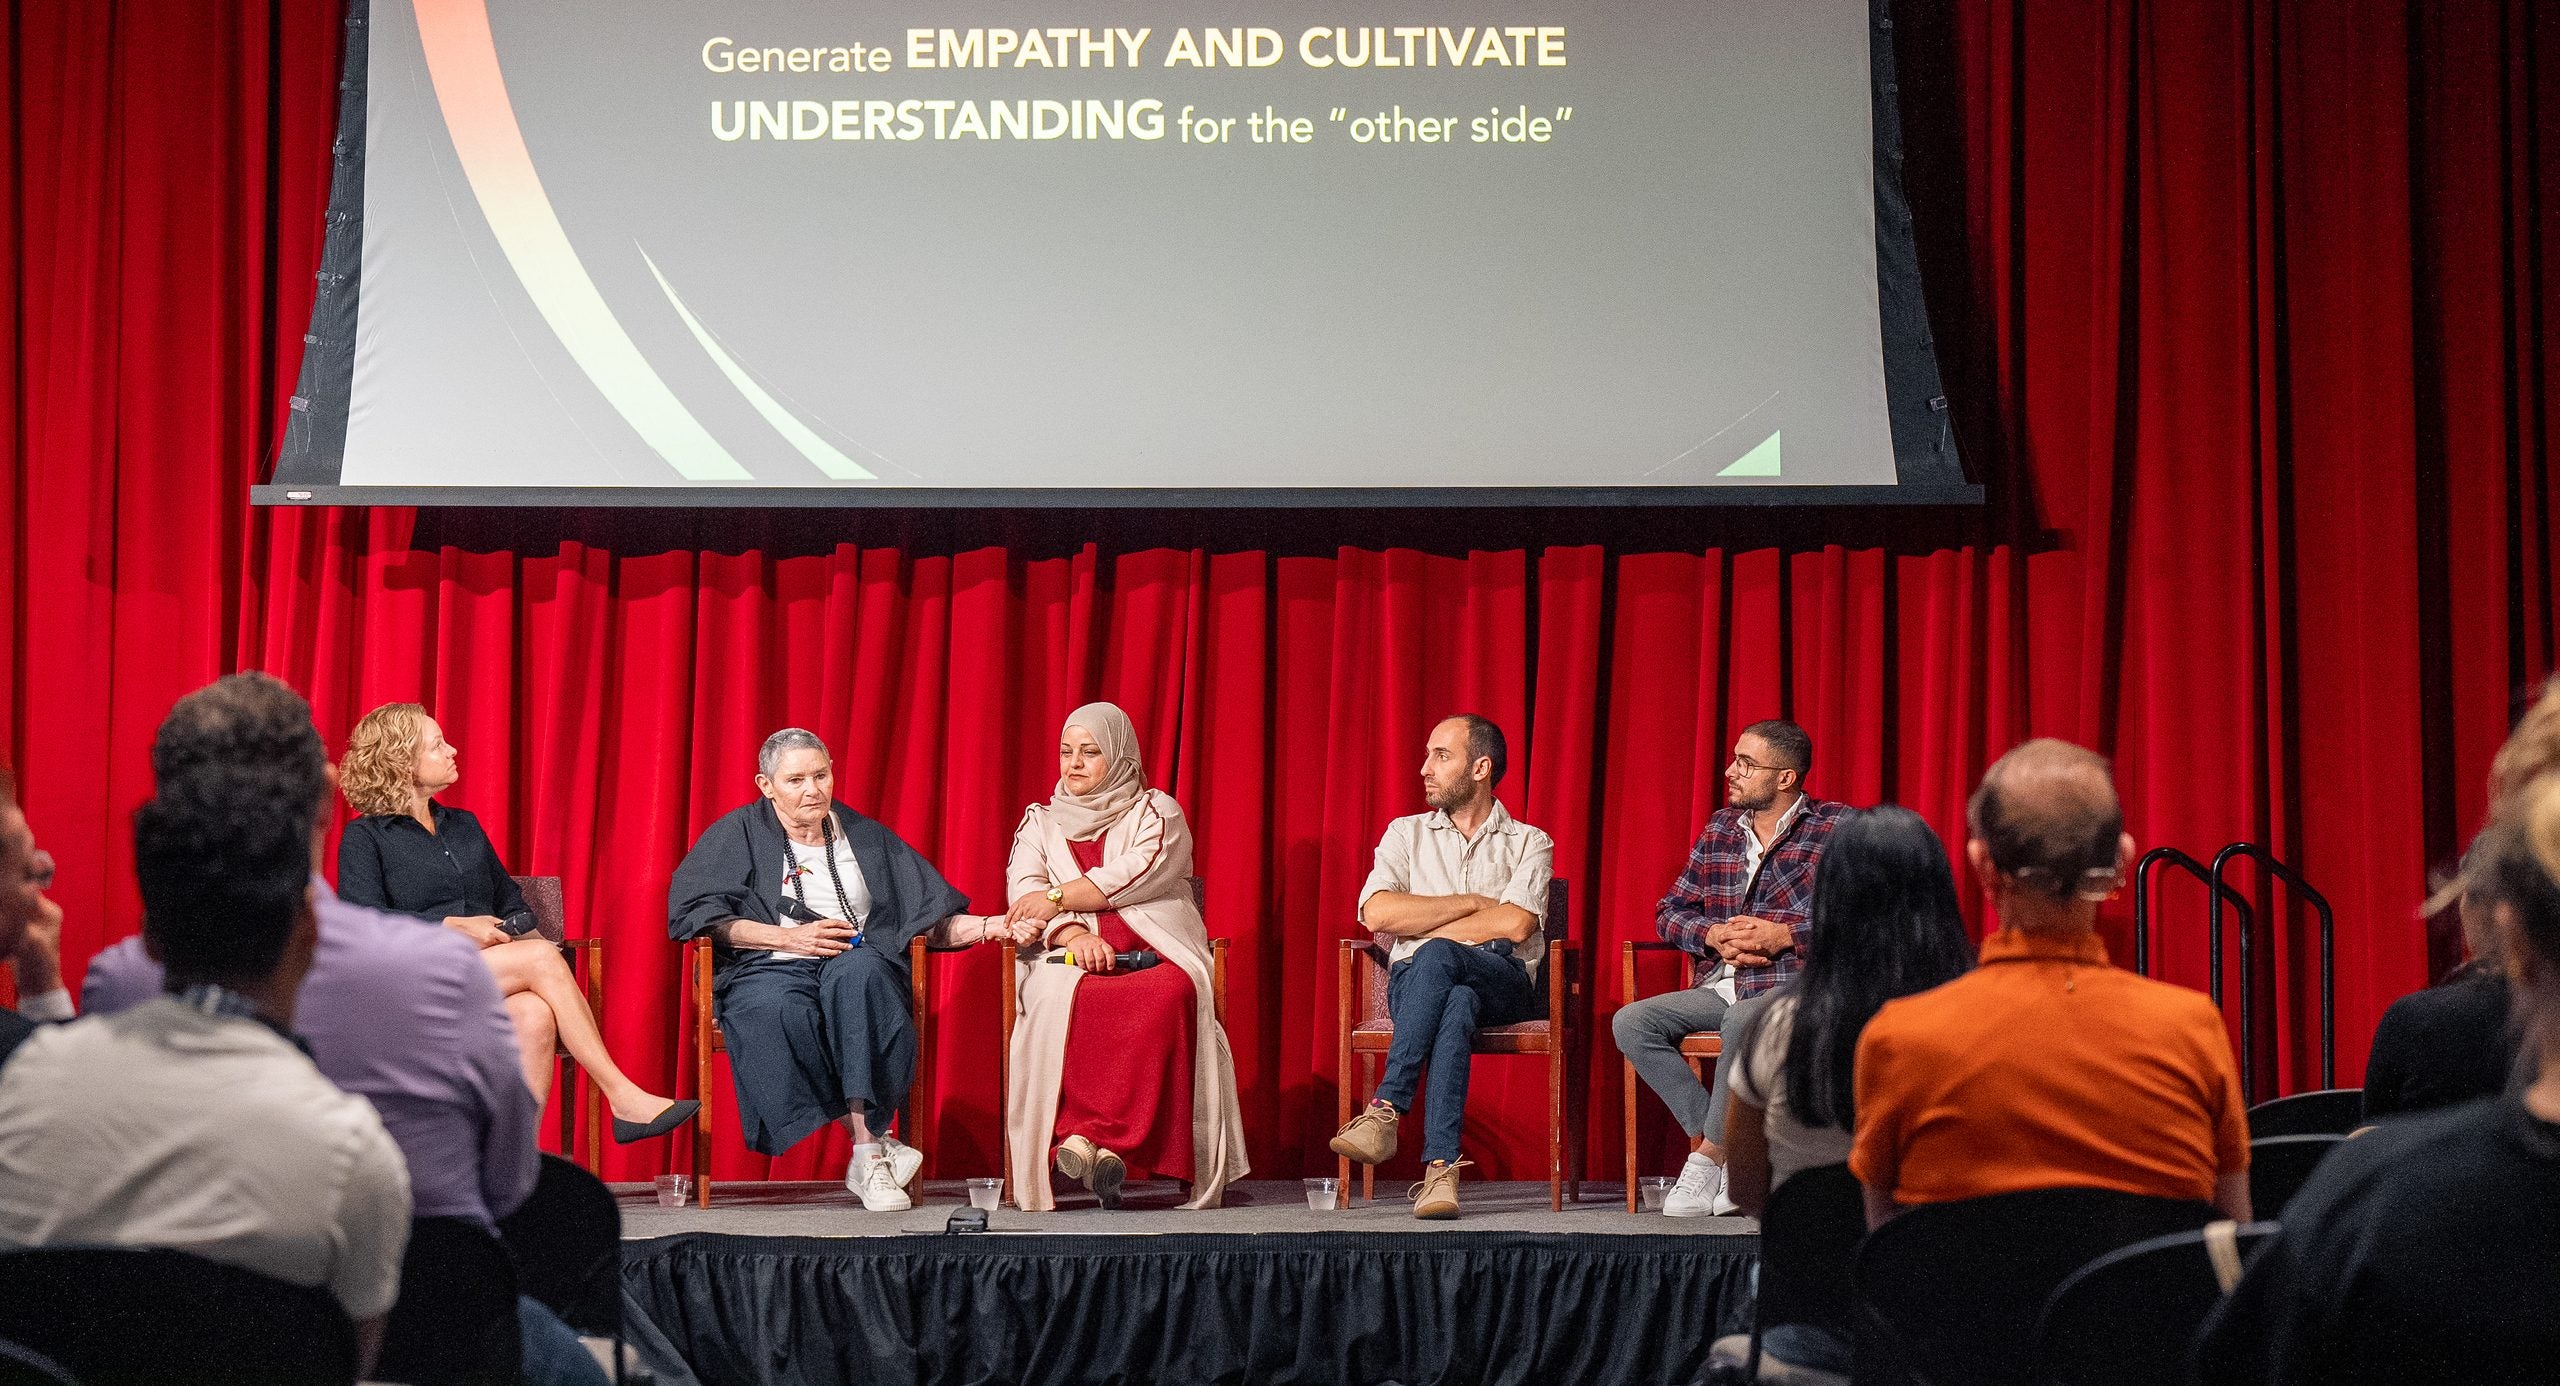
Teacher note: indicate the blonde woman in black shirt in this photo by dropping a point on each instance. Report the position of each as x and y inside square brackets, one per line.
[409, 854]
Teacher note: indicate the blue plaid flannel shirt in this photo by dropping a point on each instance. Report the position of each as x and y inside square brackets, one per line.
[1713, 889]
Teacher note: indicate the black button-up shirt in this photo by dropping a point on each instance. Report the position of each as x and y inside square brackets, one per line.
[391, 862]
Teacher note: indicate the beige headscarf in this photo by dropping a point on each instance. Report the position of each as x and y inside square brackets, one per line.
[1083, 817]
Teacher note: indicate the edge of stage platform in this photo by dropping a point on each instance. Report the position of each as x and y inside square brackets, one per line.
[1415, 1305]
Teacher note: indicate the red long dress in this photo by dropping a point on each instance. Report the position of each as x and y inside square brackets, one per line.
[1127, 1080]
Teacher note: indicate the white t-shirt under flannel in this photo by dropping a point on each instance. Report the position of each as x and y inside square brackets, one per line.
[1507, 861]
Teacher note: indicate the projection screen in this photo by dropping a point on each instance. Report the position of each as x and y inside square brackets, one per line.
[849, 252]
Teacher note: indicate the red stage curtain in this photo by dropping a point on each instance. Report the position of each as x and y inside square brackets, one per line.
[2241, 307]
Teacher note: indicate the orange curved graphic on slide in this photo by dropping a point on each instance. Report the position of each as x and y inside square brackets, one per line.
[462, 62]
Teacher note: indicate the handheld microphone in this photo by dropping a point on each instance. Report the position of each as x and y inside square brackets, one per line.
[1137, 961]
[799, 913]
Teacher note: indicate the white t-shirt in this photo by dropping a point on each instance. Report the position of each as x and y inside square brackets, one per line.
[1793, 1145]
[165, 1126]
[820, 889]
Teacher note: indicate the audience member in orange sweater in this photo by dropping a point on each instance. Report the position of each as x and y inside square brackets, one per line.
[2045, 1067]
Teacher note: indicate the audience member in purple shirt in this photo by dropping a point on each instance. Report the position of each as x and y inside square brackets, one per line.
[404, 1015]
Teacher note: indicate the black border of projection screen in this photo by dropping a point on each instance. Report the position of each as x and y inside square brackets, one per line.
[1341, 359]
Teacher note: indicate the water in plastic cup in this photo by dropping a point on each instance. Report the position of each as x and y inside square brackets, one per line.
[1654, 1189]
[1320, 1194]
[673, 1189]
[986, 1193]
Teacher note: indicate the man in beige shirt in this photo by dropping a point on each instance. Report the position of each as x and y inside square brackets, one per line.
[1461, 893]
[195, 1122]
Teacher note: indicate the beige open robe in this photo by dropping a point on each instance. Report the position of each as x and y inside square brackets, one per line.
[1145, 874]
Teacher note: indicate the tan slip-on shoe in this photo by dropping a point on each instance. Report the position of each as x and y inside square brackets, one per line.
[1436, 1197]
[1370, 1137]
[1096, 1167]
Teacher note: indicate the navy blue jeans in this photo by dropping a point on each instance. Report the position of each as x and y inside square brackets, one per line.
[1437, 998]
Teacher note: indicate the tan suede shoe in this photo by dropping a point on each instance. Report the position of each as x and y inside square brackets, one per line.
[1370, 1137]
[1097, 1167]
[1437, 1195]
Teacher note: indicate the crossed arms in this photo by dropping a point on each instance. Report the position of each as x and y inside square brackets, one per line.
[1460, 918]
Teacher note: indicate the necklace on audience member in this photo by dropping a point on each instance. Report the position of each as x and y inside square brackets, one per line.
[827, 842]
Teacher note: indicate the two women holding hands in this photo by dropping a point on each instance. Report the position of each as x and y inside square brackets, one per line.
[1118, 1072]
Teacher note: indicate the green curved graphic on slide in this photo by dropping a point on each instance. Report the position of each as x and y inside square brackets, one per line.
[1760, 461]
[462, 62]
[820, 453]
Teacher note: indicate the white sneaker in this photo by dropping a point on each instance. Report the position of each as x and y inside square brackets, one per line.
[879, 1188]
[1699, 1192]
[905, 1161]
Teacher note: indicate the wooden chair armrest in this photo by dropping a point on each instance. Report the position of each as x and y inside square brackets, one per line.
[697, 972]
[1627, 951]
[1560, 980]
[586, 963]
[1347, 980]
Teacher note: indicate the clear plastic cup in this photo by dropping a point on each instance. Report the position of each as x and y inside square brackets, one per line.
[1323, 1194]
[986, 1193]
[673, 1189]
[1654, 1190]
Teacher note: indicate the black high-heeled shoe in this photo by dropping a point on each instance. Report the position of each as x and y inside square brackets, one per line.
[676, 1114]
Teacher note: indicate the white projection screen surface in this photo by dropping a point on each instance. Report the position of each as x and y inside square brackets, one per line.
[1171, 252]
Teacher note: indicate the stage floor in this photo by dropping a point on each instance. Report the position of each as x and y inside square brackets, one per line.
[1252, 1207]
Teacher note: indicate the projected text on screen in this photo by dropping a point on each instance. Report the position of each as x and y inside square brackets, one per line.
[839, 244]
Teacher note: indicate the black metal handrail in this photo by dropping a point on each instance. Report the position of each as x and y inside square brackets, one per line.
[2328, 963]
[2171, 856]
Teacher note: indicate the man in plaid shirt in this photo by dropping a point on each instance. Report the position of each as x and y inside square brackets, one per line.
[1745, 902]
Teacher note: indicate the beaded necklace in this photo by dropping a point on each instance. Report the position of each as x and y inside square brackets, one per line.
[844, 902]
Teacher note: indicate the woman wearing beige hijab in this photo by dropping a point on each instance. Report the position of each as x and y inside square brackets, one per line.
[1118, 1072]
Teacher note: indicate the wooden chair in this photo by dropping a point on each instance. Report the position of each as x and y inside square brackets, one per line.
[1013, 1010]
[581, 1124]
[707, 1041]
[1367, 1031]
[1698, 1047]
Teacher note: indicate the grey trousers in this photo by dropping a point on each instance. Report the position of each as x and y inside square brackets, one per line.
[1649, 1033]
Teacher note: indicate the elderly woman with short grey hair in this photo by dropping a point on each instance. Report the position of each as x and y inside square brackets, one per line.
[810, 907]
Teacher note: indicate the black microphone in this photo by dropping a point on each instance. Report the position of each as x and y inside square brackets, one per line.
[1138, 961]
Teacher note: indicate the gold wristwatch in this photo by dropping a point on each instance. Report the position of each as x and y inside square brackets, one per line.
[1057, 895]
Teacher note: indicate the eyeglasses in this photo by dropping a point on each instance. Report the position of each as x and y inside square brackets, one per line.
[1748, 766]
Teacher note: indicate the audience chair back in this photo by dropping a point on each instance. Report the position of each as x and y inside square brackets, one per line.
[1949, 1293]
[700, 963]
[2278, 1168]
[1809, 1237]
[455, 1324]
[1010, 1007]
[581, 1118]
[2328, 1112]
[567, 1243]
[2130, 1317]
[1699, 1047]
[119, 1316]
[1366, 1031]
